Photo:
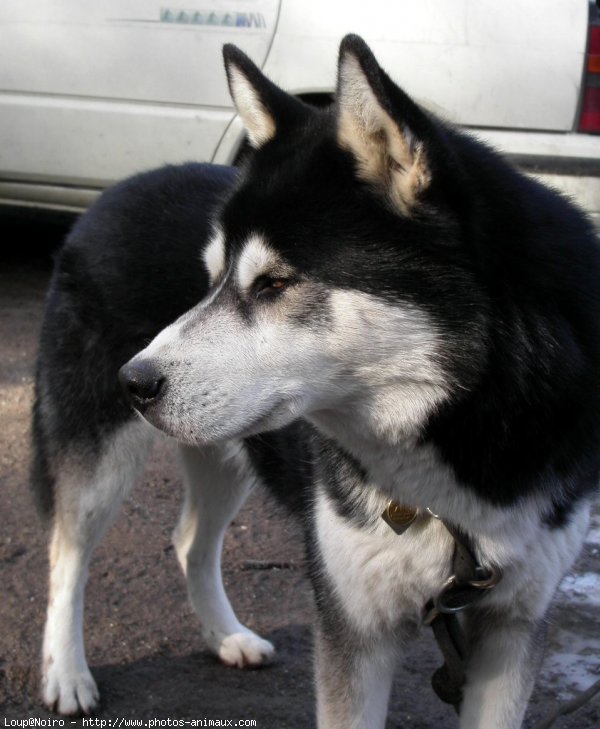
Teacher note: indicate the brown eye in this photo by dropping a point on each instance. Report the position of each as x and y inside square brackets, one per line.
[266, 287]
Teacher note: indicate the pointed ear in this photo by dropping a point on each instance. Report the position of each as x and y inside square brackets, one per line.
[264, 108]
[381, 126]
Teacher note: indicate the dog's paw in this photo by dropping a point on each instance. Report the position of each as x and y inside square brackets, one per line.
[246, 650]
[69, 692]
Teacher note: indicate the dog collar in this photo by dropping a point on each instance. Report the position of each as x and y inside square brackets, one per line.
[468, 583]
[469, 580]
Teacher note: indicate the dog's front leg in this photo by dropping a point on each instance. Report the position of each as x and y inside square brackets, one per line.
[217, 482]
[353, 679]
[505, 655]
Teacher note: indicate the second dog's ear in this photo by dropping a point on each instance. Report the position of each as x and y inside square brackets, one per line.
[382, 127]
[265, 109]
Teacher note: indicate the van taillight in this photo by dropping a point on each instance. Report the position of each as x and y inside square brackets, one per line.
[589, 120]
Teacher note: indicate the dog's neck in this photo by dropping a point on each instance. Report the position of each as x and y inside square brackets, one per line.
[387, 446]
[405, 468]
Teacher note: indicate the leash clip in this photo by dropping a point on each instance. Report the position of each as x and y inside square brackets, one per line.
[456, 596]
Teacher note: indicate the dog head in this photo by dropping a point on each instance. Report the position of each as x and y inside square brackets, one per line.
[338, 271]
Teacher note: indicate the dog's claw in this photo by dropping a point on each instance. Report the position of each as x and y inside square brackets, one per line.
[246, 650]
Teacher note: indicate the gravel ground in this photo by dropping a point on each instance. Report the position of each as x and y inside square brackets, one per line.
[143, 641]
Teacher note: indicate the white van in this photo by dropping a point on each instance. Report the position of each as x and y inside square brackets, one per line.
[94, 90]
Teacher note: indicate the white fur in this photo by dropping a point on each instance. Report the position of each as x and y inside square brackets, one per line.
[388, 155]
[86, 505]
[259, 124]
[382, 581]
[394, 352]
[245, 649]
[217, 481]
[359, 699]
[514, 538]
[87, 502]
[500, 678]
[173, 336]
[379, 576]
[67, 684]
[214, 255]
[374, 360]
[256, 259]
[356, 97]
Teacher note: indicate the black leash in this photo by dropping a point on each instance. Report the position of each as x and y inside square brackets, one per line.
[468, 584]
[568, 707]
[449, 679]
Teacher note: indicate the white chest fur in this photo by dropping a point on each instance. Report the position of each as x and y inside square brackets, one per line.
[383, 579]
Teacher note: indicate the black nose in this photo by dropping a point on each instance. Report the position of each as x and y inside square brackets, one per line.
[141, 382]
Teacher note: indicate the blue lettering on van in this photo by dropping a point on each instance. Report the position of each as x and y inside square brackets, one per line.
[224, 19]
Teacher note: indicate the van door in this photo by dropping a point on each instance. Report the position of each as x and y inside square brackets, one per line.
[93, 91]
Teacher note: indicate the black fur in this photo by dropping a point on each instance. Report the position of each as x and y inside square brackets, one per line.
[508, 269]
[129, 267]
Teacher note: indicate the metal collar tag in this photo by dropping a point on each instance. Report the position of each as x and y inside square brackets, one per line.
[399, 517]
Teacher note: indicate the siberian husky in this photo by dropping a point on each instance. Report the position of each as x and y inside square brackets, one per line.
[386, 314]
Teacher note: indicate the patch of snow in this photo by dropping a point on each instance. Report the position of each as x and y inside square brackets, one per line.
[582, 588]
[593, 536]
[572, 663]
